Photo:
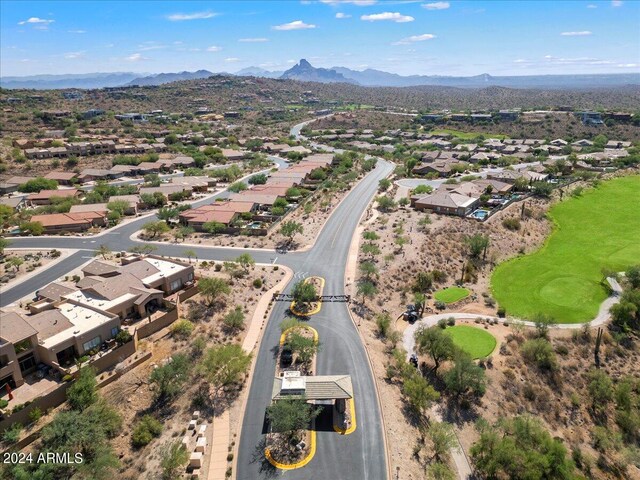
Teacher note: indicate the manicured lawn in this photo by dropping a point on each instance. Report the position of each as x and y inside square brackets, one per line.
[598, 230]
[467, 135]
[451, 294]
[475, 341]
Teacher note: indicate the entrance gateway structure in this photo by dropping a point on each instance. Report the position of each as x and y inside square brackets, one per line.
[336, 388]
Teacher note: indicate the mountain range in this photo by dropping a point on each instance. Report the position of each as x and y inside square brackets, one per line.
[304, 71]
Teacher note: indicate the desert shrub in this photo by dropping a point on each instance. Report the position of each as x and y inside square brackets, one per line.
[539, 351]
[257, 283]
[182, 328]
[145, 431]
[511, 223]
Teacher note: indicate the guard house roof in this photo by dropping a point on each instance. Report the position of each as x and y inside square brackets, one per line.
[317, 387]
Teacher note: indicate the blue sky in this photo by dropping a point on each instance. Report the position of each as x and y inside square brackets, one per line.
[427, 37]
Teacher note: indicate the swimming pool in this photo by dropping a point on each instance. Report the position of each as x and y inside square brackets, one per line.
[480, 214]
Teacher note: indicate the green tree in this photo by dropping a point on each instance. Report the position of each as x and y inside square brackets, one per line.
[419, 393]
[213, 227]
[289, 416]
[167, 213]
[477, 244]
[38, 184]
[366, 289]
[237, 187]
[368, 269]
[120, 206]
[303, 347]
[385, 203]
[443, 439]
[258, 179]
[633, 276]
[15, 262]
[465, 377]
[173, 457]
[246, 261]
[423, 282]
[156, 228]
[384, 184]
[167, 380]
[520, 449]
[600, 390]
[290, 229]
[433, 341]
[32, 228]
[84, 391]
[4, 243]
[224, 365]
[304, 292]
[213, 289]
[190, 254]
[103, 250]
[383, 323]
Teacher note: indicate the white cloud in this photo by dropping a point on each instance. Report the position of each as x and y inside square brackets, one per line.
[520, 60]
[77, 31]
[342, 15]
[180, 17]
[436, 5]
[628, 65]
[214, 48]
[135, 57]
[146, 46]
[392, 16]
[591, 5]
[582, 33]
[36, 20]
[254, 40]
[295, 25]
[415, 38]
[231, 59]
[616, 3]
[74, 55]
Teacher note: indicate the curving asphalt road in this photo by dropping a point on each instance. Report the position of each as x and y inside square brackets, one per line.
[360, 455]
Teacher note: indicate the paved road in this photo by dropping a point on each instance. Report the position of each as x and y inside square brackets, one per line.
[360, 455]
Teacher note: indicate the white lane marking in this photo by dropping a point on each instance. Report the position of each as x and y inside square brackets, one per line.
[274, 260]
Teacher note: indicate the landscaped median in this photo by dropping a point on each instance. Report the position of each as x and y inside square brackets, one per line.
[307, 295]
[291, 417]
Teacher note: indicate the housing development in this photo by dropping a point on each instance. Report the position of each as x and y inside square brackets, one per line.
[401, 268]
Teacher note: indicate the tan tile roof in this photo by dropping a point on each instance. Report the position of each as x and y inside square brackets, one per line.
[14, 328]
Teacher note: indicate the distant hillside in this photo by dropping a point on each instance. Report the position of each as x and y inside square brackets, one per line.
[258, 72]
[162, 78]
[377, 78]
[85, 80]
[305, 72]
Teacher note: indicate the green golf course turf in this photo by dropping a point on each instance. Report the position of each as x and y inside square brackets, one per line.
[598, 230]
[476, 342]
[451, 294]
